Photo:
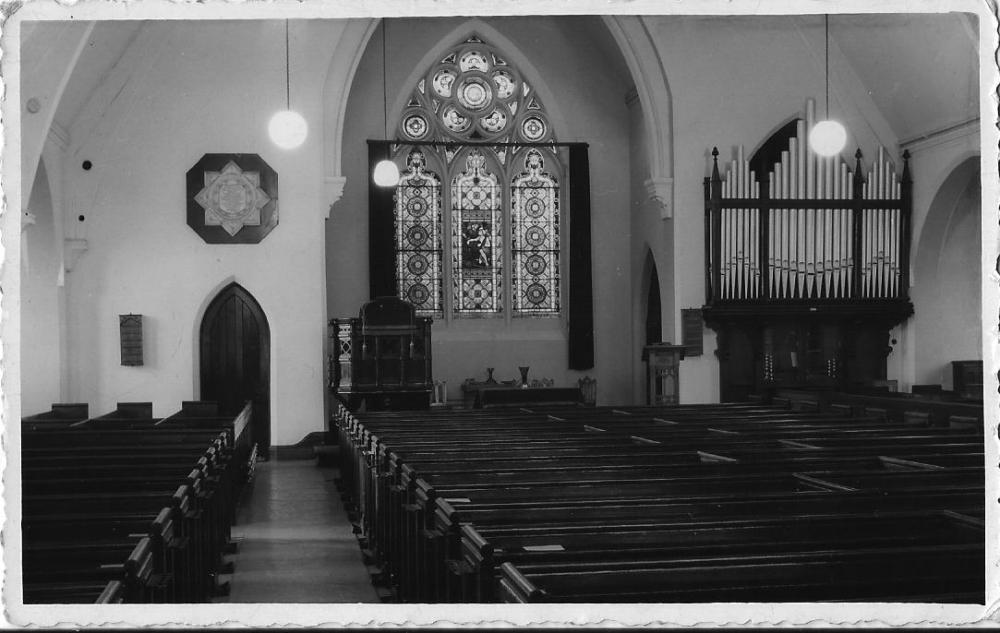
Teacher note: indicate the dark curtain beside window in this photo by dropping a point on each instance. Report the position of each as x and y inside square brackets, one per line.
[581, 297]
[381, 237]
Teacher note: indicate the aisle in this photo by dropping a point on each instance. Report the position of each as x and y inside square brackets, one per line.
[295, 541]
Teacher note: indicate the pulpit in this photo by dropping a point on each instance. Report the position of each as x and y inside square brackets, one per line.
[381, 360]
[662, 373]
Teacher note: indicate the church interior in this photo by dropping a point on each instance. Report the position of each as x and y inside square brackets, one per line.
[615, 286]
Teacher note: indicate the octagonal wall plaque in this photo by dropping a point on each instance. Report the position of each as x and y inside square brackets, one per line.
[232, 198]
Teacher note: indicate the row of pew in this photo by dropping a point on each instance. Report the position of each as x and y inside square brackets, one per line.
[126, 507]
[702, 503]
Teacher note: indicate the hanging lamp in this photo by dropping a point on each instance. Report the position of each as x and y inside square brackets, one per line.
[287, 128]
[827, 137]
[386, 173]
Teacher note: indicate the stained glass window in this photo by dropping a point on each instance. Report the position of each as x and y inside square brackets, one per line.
[477, 238]
[535, 238]
[503, 198]
[418, 235]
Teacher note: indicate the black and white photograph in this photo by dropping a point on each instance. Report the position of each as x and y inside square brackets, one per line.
[482, 314]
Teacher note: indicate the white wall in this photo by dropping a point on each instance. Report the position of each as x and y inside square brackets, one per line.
[213, 92]
[40, 296]
[947, 274]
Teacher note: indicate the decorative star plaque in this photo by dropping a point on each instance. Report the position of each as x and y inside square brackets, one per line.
[232, 198]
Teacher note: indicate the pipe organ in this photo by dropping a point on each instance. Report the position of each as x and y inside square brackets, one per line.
[811, 229]
[806, 266]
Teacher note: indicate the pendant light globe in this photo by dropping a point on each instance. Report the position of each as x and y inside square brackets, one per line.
[287, 129]
[386, 173]
[828, 138]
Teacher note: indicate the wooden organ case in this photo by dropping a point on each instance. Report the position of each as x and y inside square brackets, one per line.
[381, 360]
[806, 269]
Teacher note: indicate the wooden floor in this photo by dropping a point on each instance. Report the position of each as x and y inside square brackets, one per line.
[295, 541]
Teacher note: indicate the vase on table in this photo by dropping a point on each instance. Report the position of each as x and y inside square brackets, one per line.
[489, 376]
[524, 377]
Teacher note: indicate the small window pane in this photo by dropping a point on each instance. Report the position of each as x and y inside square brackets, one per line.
[418, 236]
[535, 238]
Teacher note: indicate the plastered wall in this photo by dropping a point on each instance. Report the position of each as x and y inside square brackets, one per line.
[214, 93]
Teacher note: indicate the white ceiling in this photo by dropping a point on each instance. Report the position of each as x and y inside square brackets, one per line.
[921, 71]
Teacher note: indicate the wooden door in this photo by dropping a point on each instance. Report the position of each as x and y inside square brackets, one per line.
[236, 359]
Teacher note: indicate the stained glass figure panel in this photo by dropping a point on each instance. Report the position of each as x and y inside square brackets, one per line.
[535, 238]
[477, 239]
[418, 236]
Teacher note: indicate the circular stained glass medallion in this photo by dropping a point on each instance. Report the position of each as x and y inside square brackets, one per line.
[415, 126]
[474, 93]
[494, 122]
[416, 206]
[417, 264]
[417, 235]
[535, 264]
[473, 60]
[534, 236]
[453, 120]
[536, 294]
[443, 79]
[534, 207]
[418, 294]
[533, 128]
[505, 83]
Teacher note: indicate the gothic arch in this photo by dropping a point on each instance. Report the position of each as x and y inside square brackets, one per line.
[934, 230]
[643, 59]
[477, 27]
[629, 33]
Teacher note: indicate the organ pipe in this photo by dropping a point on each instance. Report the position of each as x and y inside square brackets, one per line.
[813, 223]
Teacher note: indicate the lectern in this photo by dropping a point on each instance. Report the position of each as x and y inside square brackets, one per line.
[662, 372]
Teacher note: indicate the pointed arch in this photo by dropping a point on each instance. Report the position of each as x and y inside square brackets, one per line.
[476, 27]
[630, 33]
[638, 48]
[940, 215]
[652, 301]
[234, 352]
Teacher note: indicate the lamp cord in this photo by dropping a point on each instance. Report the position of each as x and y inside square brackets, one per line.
[827, 22]
[288, 92]
[385, 101]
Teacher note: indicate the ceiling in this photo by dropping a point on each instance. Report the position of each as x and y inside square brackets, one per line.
[894, 56]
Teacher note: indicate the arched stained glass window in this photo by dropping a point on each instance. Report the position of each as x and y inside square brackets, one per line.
[485, 126]
[473, 94]
[418, 235]
[477, 238]
[535, 238]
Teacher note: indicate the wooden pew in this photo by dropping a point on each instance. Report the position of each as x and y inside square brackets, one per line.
[61, 415]
[484, 551]
[402, 473]
[116, 484]
[890, 574]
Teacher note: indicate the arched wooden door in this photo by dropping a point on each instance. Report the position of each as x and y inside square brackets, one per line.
[236, 359]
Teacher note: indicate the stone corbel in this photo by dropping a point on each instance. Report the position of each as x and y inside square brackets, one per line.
[73, 248]
[334, 189]
[661, 191]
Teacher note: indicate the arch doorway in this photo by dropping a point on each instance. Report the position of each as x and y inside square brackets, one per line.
[235, 346]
